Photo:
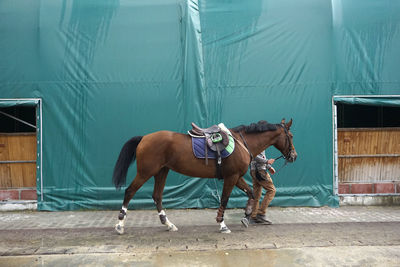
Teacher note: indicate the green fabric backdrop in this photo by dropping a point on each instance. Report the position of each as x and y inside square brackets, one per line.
[108, 70]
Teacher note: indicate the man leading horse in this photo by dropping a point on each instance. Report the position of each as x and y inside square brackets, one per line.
[261, 179]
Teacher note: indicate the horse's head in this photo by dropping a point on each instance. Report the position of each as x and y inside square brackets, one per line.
[285, 142]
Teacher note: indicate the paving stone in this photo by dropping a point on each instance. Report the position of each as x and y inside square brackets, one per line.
[193, 217]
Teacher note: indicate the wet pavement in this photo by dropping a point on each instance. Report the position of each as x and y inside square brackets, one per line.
[345, 236]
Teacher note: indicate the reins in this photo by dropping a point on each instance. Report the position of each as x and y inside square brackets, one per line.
[281, 156]
[244, 146]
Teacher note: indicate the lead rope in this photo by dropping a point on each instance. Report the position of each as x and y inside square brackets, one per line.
[281, 156]
[281, 167]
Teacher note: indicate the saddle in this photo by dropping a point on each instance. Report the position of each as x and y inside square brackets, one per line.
[216, 138]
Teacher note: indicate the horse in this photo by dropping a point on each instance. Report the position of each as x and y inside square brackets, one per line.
[157, 153]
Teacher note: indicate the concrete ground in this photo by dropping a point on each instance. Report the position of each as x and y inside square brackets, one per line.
[345, 236]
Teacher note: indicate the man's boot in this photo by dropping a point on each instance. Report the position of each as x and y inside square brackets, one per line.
[262, 219]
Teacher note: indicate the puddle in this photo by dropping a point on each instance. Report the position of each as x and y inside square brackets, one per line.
[227, 258]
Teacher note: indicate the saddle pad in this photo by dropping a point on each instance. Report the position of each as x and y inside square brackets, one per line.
[198, 148]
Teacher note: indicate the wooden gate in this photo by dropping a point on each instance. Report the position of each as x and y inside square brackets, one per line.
[18, 165]
[369, 160]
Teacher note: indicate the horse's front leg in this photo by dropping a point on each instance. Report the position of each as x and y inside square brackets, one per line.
[229, 183]
[242, 185]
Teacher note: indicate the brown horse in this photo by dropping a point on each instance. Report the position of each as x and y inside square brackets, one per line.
[158, 152]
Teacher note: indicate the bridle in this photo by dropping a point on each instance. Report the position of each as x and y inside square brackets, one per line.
[290, 148]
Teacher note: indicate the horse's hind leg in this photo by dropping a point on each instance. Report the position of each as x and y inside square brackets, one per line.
[159, 184]
[129, 193]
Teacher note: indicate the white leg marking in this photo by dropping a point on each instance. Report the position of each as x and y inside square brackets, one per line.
[162, 212]
[171, 226]
[119, 227]
[223, 228]
[121, 223]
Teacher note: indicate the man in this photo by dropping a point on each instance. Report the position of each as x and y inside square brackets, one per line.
[261, 179]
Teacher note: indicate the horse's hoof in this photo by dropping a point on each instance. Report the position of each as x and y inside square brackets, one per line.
[119, 229]
[172, 228]
[245, 222]
[224, 230]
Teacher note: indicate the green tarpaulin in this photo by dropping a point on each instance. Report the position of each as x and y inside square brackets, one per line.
[108, 70]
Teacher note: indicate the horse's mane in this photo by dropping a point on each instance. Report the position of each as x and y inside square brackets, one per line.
[261, 126]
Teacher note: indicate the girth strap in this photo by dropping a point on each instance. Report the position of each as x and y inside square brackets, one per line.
[206, 152]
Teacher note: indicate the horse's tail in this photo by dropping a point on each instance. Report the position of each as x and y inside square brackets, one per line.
[126, 157]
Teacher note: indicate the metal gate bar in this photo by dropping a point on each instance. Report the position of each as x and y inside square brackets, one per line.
[16, 161]
[370, 156]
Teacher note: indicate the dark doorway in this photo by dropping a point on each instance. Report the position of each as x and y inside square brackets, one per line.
[362, 116]
[17, 119]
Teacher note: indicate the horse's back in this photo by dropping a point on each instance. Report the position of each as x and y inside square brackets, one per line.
[164, 137]
[162, 142]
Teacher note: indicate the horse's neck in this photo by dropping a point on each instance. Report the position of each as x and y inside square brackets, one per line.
[259, 142]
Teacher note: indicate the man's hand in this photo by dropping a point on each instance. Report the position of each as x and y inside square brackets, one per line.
[271, 161]
[271, 170]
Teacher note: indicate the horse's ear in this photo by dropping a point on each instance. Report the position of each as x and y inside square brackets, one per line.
[283, 121]
[289, 124]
